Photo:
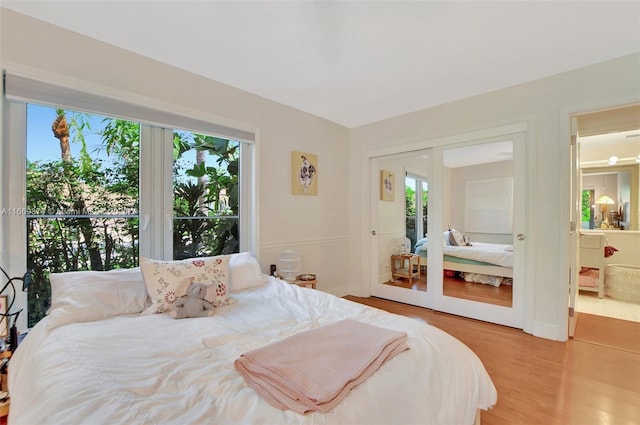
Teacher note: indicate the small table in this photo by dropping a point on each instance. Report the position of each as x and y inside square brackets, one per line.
[406, 266]
[4, 406]
[305, 283]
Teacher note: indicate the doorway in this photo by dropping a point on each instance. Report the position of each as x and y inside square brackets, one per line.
[607, 179]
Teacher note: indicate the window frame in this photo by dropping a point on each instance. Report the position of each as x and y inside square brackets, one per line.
[155, 212]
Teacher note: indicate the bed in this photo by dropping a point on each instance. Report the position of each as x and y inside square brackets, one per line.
[141, 368]
[480, 262]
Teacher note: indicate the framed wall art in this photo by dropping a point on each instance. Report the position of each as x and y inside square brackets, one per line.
[387, 185]
[304, 173]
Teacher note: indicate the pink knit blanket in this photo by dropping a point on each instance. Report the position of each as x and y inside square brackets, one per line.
[314, 370]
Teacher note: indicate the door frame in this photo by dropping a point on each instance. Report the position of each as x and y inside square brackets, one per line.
[435, 216]
[569, 244]
[574, 226]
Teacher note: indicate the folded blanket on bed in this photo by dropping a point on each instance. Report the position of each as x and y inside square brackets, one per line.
[314, 370]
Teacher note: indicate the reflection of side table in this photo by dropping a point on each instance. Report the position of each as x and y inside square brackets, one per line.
[406, 266]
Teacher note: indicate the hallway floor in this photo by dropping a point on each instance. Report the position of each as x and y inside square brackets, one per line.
[588, 302]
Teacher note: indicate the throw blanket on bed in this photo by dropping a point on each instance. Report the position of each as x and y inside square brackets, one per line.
[314, 370]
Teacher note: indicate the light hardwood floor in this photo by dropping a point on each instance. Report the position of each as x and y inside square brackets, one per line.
[457, 287]
[540, 381]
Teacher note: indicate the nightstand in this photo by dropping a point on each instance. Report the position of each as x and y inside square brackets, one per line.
[4, 411]
[306, 283]
[405, 265]
[4, 406]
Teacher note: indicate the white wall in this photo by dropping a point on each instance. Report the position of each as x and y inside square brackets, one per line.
[545, 105]
[315, 226]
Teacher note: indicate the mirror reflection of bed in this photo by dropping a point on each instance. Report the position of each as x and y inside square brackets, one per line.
[467, 278]
[478, 208]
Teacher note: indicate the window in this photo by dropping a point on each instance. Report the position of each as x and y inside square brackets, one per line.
[100, 191]
[205, 184]
[82, 176]
[588, 219]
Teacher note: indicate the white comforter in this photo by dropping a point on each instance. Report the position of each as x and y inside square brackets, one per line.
[498, 254]
[157, 370]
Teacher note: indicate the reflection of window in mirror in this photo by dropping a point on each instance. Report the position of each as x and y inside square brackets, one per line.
[416, 202]
[612, 194]
[588, 209]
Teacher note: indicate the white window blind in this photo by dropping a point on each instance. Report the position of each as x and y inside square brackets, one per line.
[26, 89]
[489, 206]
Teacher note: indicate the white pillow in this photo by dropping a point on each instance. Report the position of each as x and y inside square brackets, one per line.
[456, 238]
[168, 280]
[87, 296]
[445, 238]
[245, 272]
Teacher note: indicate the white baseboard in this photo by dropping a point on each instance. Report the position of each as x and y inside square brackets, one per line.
[343, 290]
[547, 331]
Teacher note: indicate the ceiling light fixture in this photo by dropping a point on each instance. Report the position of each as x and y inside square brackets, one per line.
[613, 159]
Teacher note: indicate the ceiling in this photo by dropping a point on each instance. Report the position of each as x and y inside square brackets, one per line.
[357, 62]
[484, 153]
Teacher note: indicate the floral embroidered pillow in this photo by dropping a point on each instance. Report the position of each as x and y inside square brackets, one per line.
[168, 280]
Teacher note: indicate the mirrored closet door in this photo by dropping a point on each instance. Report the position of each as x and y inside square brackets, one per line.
[483, 229]
[399, 217]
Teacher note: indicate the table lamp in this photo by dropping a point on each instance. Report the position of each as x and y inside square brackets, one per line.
[604, 201]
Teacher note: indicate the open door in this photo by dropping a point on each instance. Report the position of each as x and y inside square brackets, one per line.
[574, 226]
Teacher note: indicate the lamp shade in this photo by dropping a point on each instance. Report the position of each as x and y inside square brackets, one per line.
[605, 200]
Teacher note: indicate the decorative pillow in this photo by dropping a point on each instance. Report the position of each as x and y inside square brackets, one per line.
[87, 296]
[245, 272]
[456, 238]
[168, 280]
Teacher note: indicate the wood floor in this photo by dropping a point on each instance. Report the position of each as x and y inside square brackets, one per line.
[540, 381]
[457, 287]
[607, 331]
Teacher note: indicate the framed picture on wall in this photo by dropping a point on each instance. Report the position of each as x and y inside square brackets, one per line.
[387, 185]
[4, 322]
[304, 173]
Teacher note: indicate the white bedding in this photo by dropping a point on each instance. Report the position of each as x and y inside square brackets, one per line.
[498, 254]
[152, 369]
